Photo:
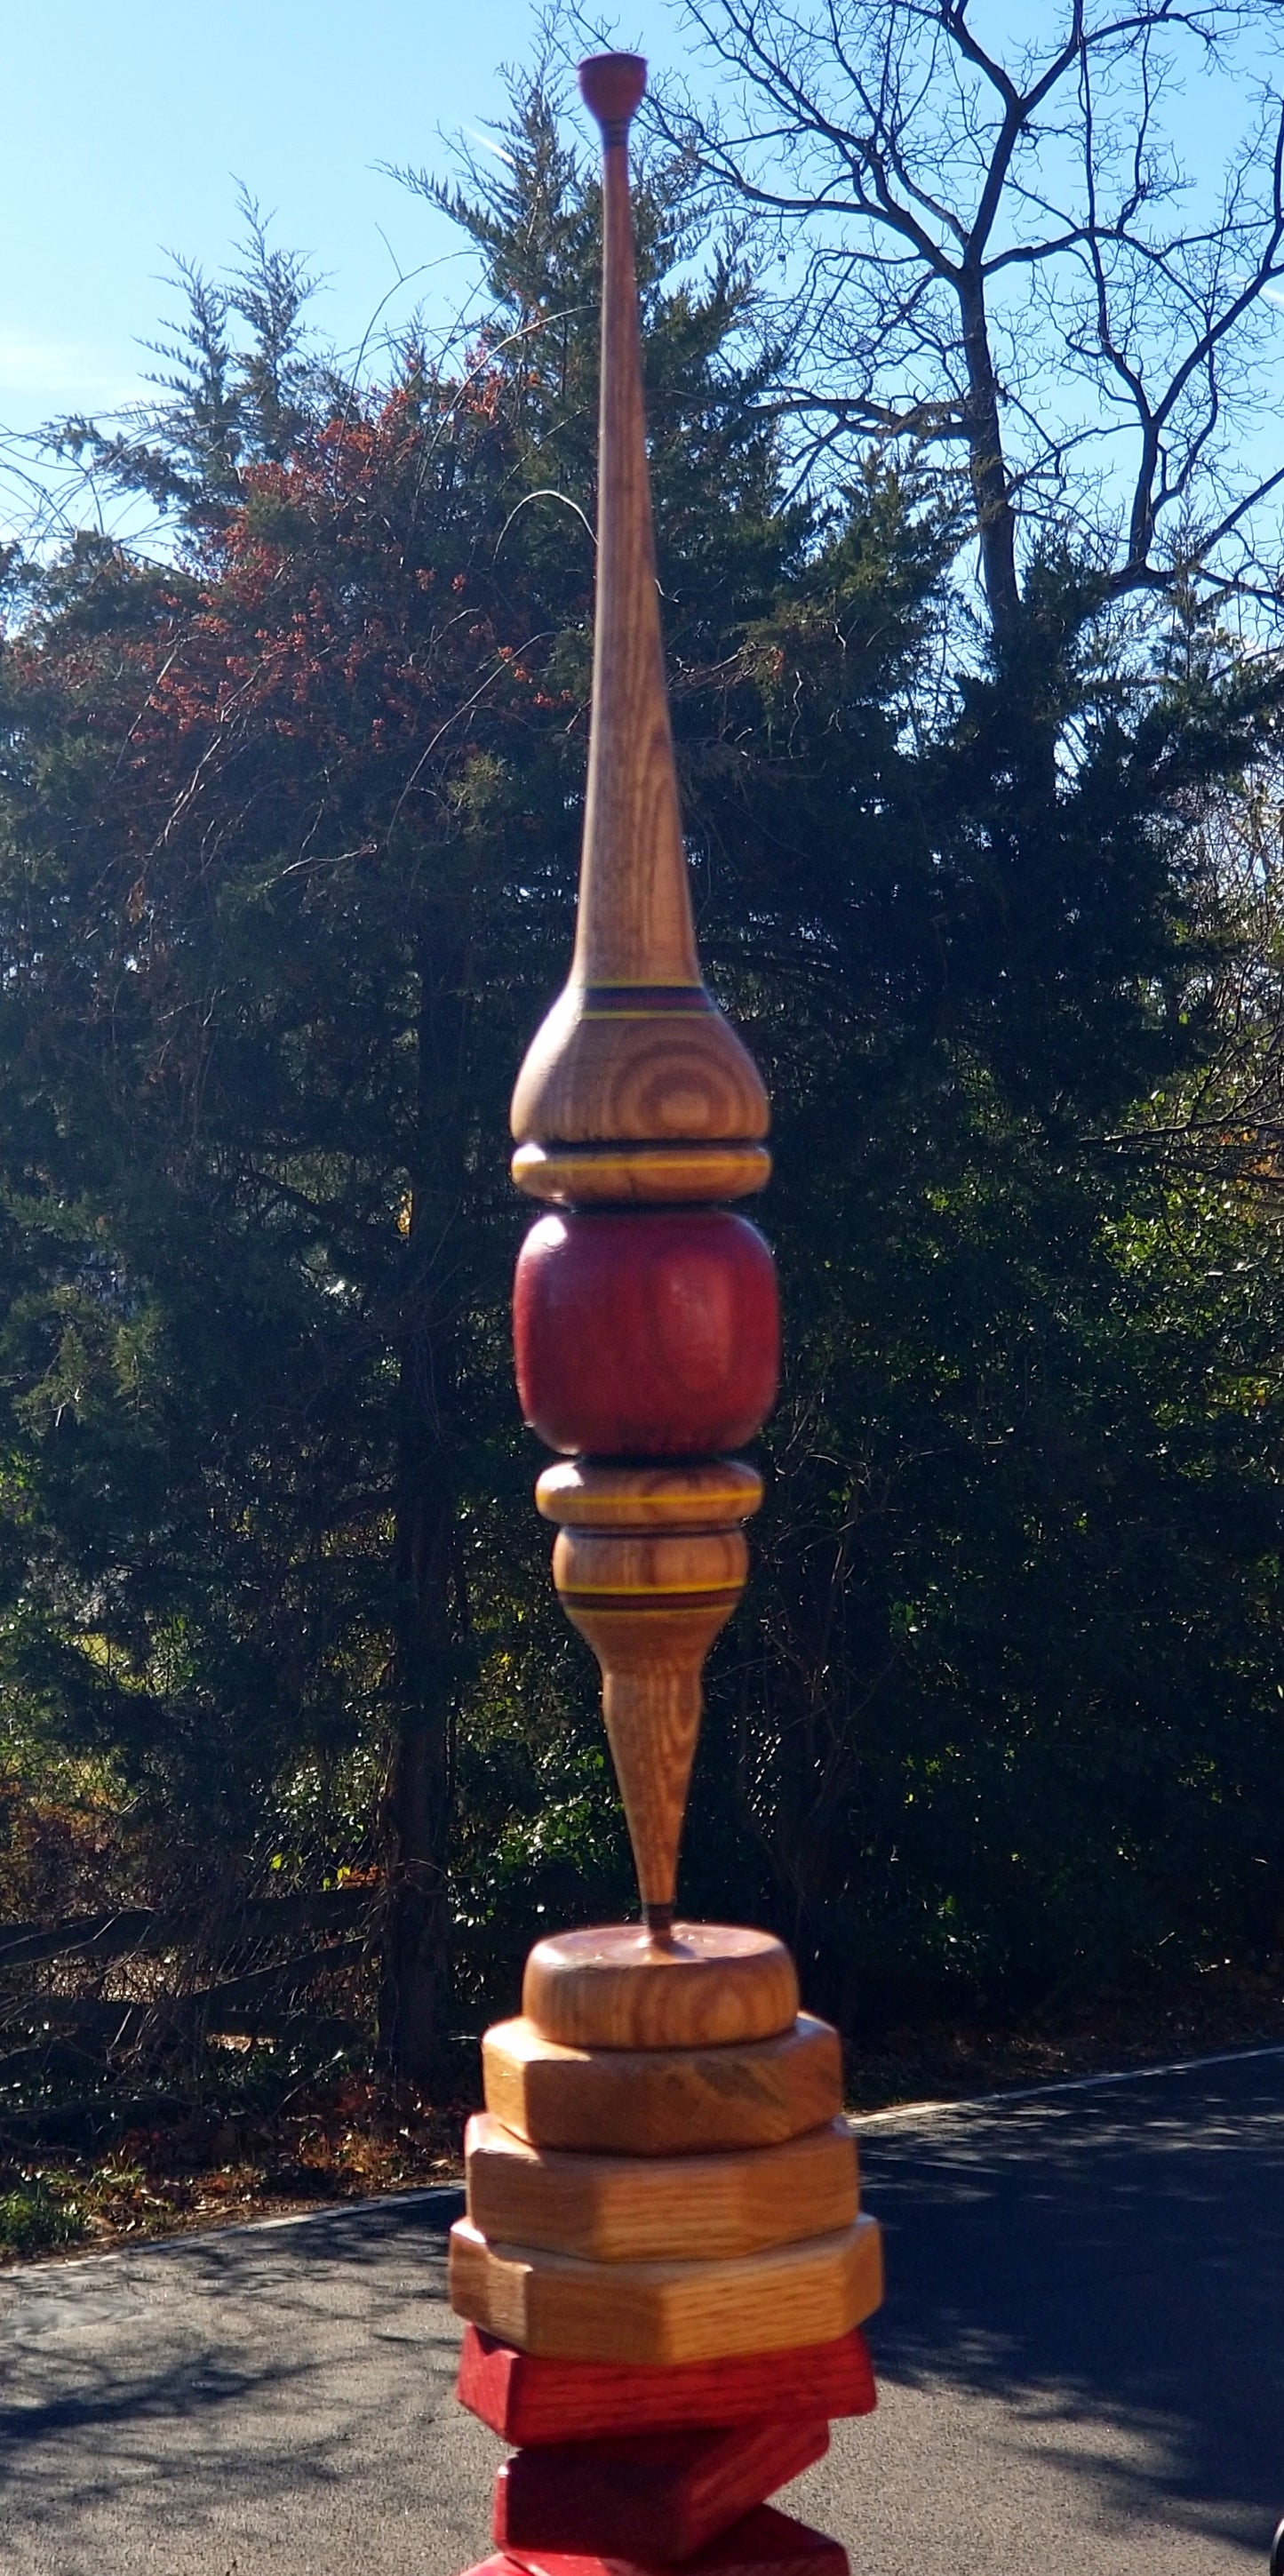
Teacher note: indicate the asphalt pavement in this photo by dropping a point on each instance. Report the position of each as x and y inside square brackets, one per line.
[1080, 2363]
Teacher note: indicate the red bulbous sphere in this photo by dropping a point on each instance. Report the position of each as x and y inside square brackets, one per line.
[655, 1335]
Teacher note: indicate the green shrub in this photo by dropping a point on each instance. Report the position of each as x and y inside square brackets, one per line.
[39, 2214]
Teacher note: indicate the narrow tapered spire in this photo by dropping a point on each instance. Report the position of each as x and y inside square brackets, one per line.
[635, 924]
[635, 1054]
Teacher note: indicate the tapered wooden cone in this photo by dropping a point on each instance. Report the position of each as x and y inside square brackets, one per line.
[652, 1722]
[634, 920]
[635, 1050]
[650, 1607]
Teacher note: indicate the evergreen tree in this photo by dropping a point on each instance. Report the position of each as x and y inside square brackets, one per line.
[289, 872]
[287, 866]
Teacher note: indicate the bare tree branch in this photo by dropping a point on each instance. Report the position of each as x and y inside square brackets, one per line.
[1002, 248]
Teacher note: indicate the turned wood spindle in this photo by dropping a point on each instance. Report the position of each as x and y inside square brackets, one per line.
[645, 1315]
[664, 2264]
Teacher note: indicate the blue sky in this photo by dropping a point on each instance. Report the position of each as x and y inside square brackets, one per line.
[127, 127]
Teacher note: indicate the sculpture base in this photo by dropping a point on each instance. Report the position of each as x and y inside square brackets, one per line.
[642, 2321]
[765, 2543]
[526, 2400]
[657, 2495]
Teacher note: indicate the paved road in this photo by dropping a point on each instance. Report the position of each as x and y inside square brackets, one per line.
[1081, 2365]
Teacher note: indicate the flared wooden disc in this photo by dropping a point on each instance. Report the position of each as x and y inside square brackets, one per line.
[596, 1494]
[707, 1984]
[616, 1176]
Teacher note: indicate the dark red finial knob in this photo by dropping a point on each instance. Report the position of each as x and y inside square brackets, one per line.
[611, 86]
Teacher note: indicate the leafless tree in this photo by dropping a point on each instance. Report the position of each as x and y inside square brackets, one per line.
[1006, 250]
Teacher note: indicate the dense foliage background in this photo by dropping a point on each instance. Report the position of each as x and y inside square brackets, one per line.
[288, 829]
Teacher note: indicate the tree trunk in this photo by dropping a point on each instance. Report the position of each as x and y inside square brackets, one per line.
[419, 1797]
[996, 518]
[431, 1607]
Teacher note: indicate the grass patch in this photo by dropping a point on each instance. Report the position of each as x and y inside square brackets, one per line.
[40, 2212]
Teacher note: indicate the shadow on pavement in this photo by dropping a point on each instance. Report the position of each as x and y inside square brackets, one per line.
[1081, 2329]
[1111, 2265]
[212, 2382]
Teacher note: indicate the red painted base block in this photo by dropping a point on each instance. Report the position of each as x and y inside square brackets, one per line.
[662, 2496]
[528, 2400]
[766, 2543]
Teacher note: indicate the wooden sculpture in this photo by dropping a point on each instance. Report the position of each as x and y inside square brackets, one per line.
[664, 2267]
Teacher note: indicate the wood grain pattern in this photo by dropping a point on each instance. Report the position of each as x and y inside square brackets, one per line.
[662, 2102]
[634, 920]
[650, 1608]
[637, 1070]
[590, 1493]
[662, 2493]
[666, 2312]
[706, 1985]
[526, 2399]
[634, 924]
[570, 1176]
[614, 2209]
[626, 1570]
[652, 1704]
[765, 2543]
[635, 1050]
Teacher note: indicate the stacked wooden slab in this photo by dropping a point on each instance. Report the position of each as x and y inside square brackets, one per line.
[664, 2264]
